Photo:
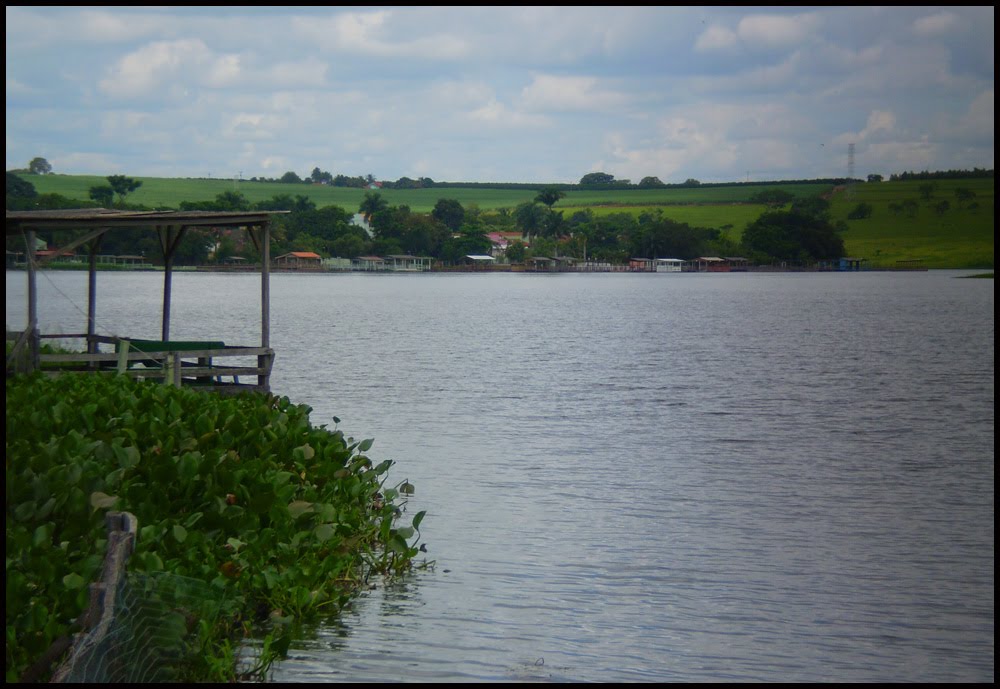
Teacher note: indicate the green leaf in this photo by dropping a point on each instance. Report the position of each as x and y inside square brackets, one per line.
[24, 511]
[193, 519]
[417, 518]
[303, 453]
[151, 562]
[73, 581]
[203, 424]
[43, 534]
[127, 457]
[45, 509]
[298, 508]
[187, 467]
[325, 532]
[180, 533]
[102, 501]
[397, 544]
[281, 644]
[366, 445]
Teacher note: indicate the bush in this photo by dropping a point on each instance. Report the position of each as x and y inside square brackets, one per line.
[861, 211]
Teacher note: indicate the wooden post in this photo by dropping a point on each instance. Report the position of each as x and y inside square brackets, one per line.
[34, 342]
[168, 265]
[263, 381]
[92, 298]
[168, 243]
[265, 285]
[123, 357]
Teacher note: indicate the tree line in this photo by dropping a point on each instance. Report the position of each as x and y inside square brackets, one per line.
[802, 233]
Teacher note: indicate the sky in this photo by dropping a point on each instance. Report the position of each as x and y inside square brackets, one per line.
[501, 94]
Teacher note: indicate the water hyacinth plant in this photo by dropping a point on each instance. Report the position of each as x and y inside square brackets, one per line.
[285, 519]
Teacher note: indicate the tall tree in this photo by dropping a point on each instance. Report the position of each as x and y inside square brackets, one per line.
[19, 187]
[794, 236]
[596, 178]
[531, 219]
[449, 212]
[775, 198]
[232, 201]
[123, 186]
[103, 195]
[371, 204]
[39, 166]
[549, 196]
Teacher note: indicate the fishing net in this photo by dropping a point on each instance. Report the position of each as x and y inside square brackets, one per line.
[138, 628]
[151, 633]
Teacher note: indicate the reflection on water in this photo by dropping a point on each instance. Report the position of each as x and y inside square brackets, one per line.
[647, 477]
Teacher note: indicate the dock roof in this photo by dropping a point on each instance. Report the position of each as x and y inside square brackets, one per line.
[80, 218]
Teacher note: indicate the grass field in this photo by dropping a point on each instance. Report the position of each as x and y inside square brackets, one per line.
[161, 192]
[960, 237]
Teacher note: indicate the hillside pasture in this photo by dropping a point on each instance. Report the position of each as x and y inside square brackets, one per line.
[157, 192]
[960, 237]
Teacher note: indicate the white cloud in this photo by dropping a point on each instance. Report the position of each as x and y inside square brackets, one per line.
[224, 71]
[935, 24]
[501, 93]
[555, 93]
[251, 126]
[879, 122]
[495, 113]
[17, 88]
[181, 67]
[154, 67]
[777, 31]
[85, 163]
[371, 34]
[309, 72]
[716, 38]
[978, 118]
[106, 26]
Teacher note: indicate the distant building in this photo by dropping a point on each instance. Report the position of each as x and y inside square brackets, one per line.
[669, 265]
[710, 264]
[299, 260]
[404, 263]
[368, 263]
[641, 265]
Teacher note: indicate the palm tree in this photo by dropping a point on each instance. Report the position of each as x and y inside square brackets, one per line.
[531, 218]
[372, 204]
[549, 196]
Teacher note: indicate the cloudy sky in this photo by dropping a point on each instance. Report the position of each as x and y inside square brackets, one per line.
[505, 94]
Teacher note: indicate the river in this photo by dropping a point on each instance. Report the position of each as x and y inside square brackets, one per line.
[638, 477]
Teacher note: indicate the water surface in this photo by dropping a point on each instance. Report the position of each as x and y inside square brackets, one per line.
[639, 478]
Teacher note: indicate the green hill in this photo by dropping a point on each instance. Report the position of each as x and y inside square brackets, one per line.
[957, 236]
[903, 225]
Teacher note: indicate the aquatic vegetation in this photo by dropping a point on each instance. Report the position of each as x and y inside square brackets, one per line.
[285, 519]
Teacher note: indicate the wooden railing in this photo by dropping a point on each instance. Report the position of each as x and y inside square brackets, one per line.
[184, 362]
